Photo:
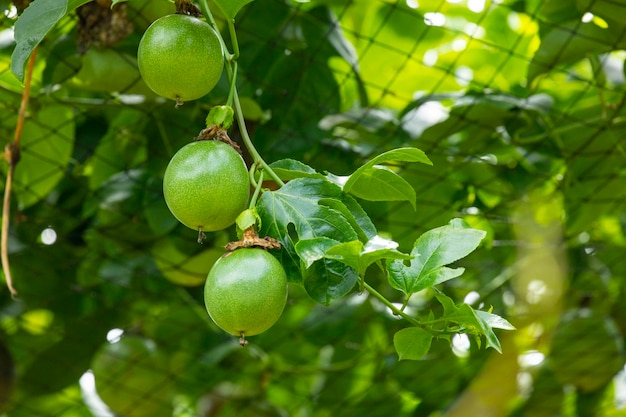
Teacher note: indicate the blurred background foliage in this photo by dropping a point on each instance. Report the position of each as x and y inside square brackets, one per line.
[520, 105]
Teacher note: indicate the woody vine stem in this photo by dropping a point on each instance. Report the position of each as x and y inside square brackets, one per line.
[12, 156]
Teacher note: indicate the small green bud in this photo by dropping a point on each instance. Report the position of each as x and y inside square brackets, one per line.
[247, 219]
[221, 116]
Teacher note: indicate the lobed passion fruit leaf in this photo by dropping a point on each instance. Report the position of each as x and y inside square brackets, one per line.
[308, 208]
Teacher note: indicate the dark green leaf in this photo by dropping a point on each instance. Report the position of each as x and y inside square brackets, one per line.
[354, 213]
[571, 42]
[412, 343]
[432, 251]
[327, 280]
[554, 11]
[606, 9]
[296, 212]
[33, 25]
[298, 203]
[230, 8]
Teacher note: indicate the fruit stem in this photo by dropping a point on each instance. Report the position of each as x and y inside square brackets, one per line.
[390, 305]
[233, 86]
[233, 39]
[251, 174]
[201, 236]
[257, 186]
[231, 70]
[248, 142]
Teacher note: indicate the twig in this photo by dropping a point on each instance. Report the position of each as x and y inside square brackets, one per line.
[12, 156]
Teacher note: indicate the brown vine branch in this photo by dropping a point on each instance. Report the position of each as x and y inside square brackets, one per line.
[12, 156]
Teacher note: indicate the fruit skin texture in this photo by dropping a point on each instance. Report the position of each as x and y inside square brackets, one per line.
[246, 291]
[206, 185]
[180, 57]
[133, 378]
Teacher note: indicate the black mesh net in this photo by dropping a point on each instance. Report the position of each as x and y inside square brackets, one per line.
[520, 106]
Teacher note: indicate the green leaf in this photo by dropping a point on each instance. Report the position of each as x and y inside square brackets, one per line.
[289, 169]
[475, 322]
[33, 25]
[494, 321]
[360, 256]
[355, 254]
[230, 8]
[312, 250]
[572, 42]
[432, 251]
[412, 343]
[554, 11]
[378, 183]
[47, 143]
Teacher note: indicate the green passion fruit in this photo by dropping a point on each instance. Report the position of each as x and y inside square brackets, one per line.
[246, 291]
[180, 57]
[206, 185]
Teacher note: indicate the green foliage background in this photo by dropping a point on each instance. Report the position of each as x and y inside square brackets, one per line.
[520, 105]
